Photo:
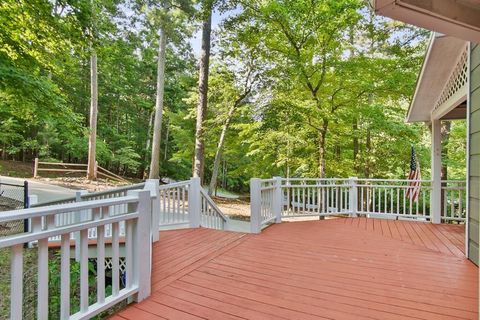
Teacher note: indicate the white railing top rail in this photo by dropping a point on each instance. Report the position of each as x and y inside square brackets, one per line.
[213, 205]
[174, 185]
[53, 202]
[363, 179]
[58, 231]
[62, 208]
[312, 179]
[314, 185]
[113, 191]
[394, 180]
[88, 196]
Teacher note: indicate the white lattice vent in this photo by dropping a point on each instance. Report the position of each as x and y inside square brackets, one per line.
[109, 265]
[457, 81]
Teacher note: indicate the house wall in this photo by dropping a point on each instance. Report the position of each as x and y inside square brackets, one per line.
[474, 154]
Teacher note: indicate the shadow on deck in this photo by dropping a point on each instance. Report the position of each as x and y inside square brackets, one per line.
[353, 268]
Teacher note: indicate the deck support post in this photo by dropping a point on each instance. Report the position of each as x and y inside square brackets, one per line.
[278, 200]
[436, 172]
[152, 185]
[142, 244]
[353, 197]
[255, 205]
[194, 202]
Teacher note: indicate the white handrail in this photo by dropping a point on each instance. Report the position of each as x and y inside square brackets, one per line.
[62, 208]
[135, 214]
[128, 217]
[389, 198]
[211, 215]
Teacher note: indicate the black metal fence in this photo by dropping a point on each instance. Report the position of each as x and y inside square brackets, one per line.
[13, 197]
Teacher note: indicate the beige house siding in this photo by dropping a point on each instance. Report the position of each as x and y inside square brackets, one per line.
[474, 154]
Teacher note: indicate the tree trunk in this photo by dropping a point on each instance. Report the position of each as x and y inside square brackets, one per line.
[157, 127]
[218, 153]
[147, 146]
[355, 144]
[338, 152]
[165, 154]
[368, 148]
[368, 143]
[92, 141]
[321, 149]
[199, 161]
[445, 136]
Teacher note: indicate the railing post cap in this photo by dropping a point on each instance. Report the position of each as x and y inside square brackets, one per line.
[152, 185]
[137, 192]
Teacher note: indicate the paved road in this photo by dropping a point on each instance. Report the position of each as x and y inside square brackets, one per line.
[45, 192]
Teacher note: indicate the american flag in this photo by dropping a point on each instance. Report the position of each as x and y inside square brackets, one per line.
[414, 176]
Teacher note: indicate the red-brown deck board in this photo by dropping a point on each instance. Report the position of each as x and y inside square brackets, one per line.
[354, 268]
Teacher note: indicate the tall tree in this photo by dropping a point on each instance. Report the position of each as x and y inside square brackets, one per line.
[169, 14]
[157, 126]
[235, 97]
[92, 139]
[199, 161]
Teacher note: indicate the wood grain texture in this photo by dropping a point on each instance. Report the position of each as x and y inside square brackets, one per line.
[354, 268]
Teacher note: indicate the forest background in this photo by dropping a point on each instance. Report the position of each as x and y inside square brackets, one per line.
[296, 88]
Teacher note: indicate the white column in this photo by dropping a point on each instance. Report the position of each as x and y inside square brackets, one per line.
[194, 202]
[353, 196]
[436, 173]
[255, 205]
[152, 185]
[142, 245]
[278, 200]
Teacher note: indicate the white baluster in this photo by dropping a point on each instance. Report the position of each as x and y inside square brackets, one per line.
[65, 277]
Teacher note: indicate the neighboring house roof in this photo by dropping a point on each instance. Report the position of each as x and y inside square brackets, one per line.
[442, 83]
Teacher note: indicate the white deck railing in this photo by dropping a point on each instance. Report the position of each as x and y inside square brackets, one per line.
[454, 199]
[125, 218]
[377, 197]
[173, 205]
[314, 197]
[186, 203]
[277, 198]
[135, 214]
[211, 216]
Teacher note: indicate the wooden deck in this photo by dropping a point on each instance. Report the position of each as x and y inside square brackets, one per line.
[332, 269]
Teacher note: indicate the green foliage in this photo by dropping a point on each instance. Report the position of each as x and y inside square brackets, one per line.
[328, 88]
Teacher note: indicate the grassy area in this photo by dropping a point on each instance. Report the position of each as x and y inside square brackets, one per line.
[16, 169]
